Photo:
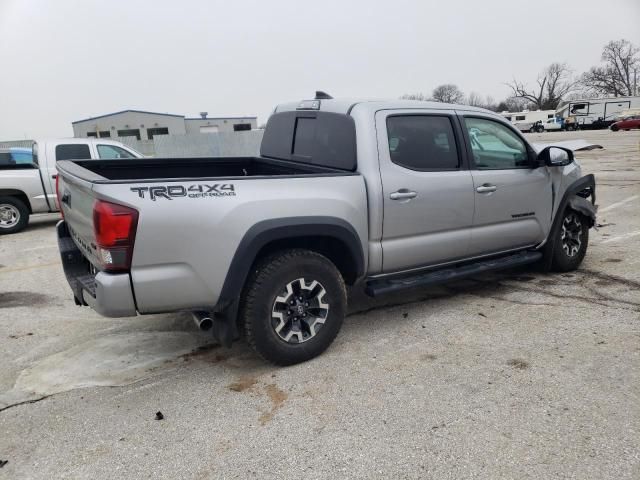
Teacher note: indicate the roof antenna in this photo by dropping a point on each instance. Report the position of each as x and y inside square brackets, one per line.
[320, 95]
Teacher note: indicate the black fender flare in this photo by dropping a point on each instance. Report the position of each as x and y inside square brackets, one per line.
[263, 233]
[579, 203]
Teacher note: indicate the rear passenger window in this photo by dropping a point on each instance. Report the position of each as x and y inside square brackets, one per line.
[111, 151]
[73, 151]
[421, 142]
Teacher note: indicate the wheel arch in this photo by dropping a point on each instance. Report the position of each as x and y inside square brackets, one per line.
[19, 194]
[330, 236]
[574, 196]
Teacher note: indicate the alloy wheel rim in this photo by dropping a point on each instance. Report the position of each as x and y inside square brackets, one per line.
[299, 311]
[571, 235]
[9, 216]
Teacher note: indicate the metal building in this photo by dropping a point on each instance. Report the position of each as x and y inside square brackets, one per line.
[145, 125]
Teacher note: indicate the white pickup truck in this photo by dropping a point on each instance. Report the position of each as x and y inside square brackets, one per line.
[28, 175]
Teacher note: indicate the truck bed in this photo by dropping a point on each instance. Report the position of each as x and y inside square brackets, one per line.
[187, 242]
[116, 171]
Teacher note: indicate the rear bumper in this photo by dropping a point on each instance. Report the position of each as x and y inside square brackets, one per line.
[108, 294]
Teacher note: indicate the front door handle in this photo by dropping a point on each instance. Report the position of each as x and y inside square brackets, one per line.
[486, 188]
[403, 194]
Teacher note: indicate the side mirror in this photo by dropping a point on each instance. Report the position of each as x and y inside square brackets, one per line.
[555, 156]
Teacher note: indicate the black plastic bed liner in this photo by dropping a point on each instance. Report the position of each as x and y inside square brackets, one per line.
[210, 167]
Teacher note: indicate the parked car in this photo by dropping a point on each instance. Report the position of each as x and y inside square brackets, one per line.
[424, 193]
[27, 175]
[626, 123]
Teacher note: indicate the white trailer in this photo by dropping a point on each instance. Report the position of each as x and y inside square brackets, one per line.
[594, 113]
[526, 119]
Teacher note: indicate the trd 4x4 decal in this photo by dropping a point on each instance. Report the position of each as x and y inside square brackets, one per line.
[201, 190]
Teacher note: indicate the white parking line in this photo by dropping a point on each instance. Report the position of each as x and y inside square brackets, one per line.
[619, 204]
[42, 247]
[621, 237]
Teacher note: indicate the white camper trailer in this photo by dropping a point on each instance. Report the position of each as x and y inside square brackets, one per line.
[594, 112]
[526, 120]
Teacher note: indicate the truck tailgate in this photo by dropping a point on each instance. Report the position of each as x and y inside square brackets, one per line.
[76, 203]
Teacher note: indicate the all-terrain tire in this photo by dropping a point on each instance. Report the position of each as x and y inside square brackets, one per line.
[293, 306]
[570, 242]
[14, 215]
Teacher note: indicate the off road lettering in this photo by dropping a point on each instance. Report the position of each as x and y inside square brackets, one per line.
[200, 190]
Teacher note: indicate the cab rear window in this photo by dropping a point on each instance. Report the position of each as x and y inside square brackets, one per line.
[318, 138]
[73, 151]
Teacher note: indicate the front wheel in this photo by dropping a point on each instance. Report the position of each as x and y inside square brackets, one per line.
[14, 215]
[571, 242]
[293, 306]
[614, 128]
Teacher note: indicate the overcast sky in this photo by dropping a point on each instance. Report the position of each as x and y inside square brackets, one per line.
[66, 60]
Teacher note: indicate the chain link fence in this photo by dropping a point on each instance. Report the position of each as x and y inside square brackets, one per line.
[16, 143]
[221, 144]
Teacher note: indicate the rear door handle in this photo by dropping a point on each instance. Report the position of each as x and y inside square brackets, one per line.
[403, 194]
[486, 188]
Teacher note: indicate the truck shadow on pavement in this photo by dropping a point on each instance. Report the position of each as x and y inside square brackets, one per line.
[42, 222]
[131, 352]
[517, 286]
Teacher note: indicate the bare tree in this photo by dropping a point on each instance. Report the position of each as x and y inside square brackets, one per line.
[476, 100]
[581, 94]
[447, 93]
[413, 96]
[553, 83]
[618, 74]
[514, 104]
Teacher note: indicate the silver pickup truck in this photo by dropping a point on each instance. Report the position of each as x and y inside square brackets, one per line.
[384, 195]
[28, 175]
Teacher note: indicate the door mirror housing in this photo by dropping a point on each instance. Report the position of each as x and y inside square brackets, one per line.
[555, 156]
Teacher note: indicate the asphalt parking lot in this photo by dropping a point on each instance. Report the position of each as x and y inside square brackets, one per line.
[511, 375]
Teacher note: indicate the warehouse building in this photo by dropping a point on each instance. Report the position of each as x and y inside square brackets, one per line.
[145, 125]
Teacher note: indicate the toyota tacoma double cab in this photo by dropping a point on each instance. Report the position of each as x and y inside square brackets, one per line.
[380, 195]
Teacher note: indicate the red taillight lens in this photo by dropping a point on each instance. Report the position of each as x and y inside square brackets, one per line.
[58, 196]
[115, 231]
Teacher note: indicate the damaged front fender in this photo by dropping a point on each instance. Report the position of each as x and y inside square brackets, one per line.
[585, 207]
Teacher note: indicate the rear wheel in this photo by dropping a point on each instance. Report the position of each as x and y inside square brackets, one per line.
[14, 215]
[571, 242]
[293, 306]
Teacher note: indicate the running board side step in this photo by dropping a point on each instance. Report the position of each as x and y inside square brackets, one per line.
[385, 285]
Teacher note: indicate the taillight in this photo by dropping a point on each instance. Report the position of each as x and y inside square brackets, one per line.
[58, 196]
[115, 231]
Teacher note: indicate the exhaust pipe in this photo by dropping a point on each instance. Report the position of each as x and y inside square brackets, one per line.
[203, 320]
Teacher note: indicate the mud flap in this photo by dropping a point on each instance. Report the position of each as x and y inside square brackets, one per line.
[225, 324]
